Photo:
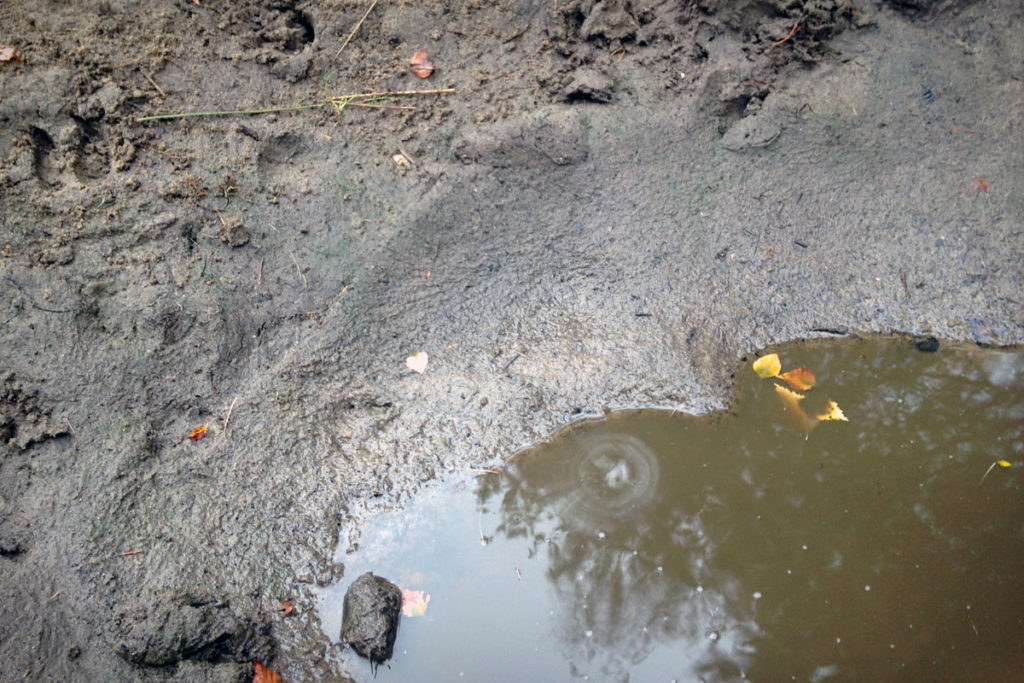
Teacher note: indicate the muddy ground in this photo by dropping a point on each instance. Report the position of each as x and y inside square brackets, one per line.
[617, 201]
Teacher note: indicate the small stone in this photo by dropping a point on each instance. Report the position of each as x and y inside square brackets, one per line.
[370, 617]
[929, 345]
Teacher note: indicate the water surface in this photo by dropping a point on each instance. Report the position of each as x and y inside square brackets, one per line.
[657, 546]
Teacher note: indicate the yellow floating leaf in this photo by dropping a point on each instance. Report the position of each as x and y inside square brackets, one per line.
[791, 403]
[414, 603]
[1003, 463]
[800, 379]
[789, 397]
[833, 412]
[768, 366]
[417, 362]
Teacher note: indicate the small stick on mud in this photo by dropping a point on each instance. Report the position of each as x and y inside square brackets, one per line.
[227, 419]
[796, 27]
[131, 552]
[259, 276]
[356, 28]
[153, 83]
[305, 284]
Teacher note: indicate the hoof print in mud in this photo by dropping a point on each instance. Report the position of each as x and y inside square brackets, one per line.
[175, 628]
[371, 613]
[589, 85]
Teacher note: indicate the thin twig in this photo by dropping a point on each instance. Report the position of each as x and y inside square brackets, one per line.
[990, 468]
[237, 112]
[131, 552]
[337, 101]
[158, 88]
[368, 105]
[393, 93]
[796, 27]
[356, 28]
[305, 285]
[228, 418]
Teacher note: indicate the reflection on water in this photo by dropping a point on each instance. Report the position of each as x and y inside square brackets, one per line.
[656, 546]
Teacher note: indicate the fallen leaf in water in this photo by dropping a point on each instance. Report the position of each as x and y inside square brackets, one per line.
[198, 433]
[421, 64]
[417, 362]
[286, 607]
[791, 404]
[414, 603]
[768, 366]
[262, 674]
[9, 53]
[832, 412]
[800, 379]
[1003, 463]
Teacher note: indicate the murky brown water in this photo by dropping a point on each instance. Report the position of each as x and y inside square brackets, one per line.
[654, 546]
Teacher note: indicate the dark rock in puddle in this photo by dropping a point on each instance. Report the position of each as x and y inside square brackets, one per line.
[177, 627]
[929, 345]
[370, 620]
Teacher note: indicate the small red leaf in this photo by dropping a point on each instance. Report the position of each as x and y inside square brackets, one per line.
[198, 433]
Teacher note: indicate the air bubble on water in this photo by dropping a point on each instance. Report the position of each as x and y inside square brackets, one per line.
[789, 571]
[700, 589]
[600, 534]
[892, 646]
[713, 636]
[588, 633]
[838, 640]
[660, 568]
[757, 595]
[867, 588]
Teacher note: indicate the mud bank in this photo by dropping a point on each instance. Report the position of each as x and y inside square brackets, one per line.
[616, 202]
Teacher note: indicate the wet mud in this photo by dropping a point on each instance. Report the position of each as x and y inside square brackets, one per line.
[617, 201]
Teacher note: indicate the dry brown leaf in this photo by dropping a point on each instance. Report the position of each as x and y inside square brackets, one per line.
[9, 53]
[286, 607]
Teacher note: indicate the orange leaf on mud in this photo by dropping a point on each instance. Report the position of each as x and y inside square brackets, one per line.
[800, 379]
[198, 433]
[262, 674]
[9, 53]
[768, 366]
[286, 607]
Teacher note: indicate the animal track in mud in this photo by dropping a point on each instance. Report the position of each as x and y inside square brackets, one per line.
[42, 161]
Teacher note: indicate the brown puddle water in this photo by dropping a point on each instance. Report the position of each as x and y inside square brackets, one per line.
[655, 546]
